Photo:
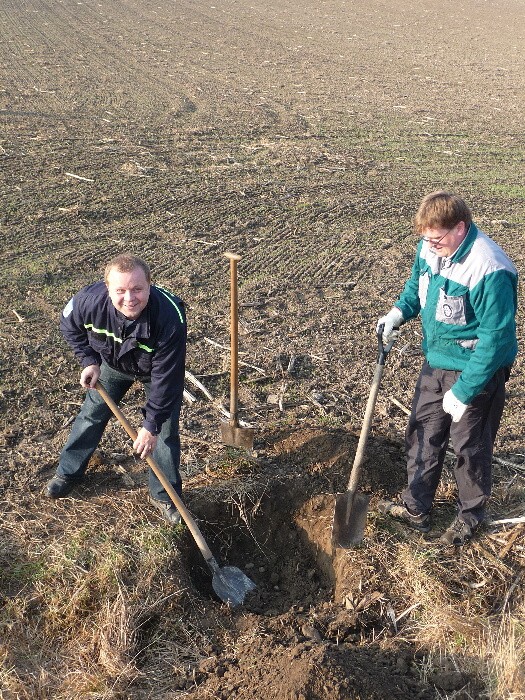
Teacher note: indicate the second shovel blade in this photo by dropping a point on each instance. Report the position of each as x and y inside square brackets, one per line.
[348, 527]
[235, 436]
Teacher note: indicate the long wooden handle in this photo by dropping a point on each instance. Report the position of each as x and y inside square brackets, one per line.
[367, 421]
[185, 513]
[234, 339]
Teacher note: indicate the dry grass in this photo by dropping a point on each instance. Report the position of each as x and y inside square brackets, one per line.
[96, 599]
[87, 593]
[503, 646]
[466, 608]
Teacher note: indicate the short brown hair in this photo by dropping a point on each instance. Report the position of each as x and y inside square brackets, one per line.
[126, 263]
[441, 210]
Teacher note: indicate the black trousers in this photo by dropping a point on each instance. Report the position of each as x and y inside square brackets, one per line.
[429, 431]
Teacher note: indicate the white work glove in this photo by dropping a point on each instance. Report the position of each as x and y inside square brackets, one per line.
[391, 323]
[454, 406]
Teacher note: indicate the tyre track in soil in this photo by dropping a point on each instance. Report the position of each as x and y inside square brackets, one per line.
[86, 48]
[94, 46]
[90, 33]
[93, 36]
[31, 31]
[284, 231]
[144, 78]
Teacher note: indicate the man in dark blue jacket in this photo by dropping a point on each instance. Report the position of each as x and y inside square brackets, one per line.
[124, 330]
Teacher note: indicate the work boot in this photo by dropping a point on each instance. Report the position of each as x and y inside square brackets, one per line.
[167, 510]
[60, 486]
[457, 534]
[398, 510]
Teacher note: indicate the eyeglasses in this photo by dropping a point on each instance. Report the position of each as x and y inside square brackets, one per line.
[437, 241]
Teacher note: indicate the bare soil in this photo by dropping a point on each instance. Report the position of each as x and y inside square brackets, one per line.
[301, 136]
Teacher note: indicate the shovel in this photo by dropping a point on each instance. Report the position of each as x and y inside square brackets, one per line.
[228, 582]
[231, 432]
[348, 527]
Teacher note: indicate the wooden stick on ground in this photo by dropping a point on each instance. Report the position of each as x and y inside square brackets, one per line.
[507, 521]
[79, 177]
[399, 405]
[191, 378]
[189, 397]
[222, 347]
[514, 536]
[20, 318]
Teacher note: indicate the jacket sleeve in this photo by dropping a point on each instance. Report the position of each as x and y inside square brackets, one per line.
[167, 376]
[408, 302]
[75, 333]
[494, 302]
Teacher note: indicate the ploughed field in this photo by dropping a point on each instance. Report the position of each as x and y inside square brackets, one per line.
[301, 136]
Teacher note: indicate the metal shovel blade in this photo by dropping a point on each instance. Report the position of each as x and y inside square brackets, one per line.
[235, 436]
[231, 585]
[348, 527]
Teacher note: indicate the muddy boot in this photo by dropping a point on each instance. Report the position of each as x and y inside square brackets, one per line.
[458, 534]
[398, 510]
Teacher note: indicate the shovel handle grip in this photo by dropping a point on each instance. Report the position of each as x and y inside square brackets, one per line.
[232, 256]
[177, 501]
[382, 349]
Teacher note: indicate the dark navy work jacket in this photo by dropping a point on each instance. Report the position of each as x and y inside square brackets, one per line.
[154, 349]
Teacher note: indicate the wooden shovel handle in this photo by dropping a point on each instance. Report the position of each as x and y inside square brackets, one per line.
[185, 514]
[234, 339]
[365, 430]
[382, 353]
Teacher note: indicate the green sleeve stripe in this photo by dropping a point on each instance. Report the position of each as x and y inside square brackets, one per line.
[144, 347]
[168, 297]
[103, 331]
[112, 335]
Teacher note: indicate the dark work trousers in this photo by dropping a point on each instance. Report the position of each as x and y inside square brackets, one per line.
[427, 436]
[90, 423]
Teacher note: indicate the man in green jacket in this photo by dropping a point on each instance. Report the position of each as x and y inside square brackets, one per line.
[464, 288]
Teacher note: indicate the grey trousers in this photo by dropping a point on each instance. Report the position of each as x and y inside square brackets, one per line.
[429, 431]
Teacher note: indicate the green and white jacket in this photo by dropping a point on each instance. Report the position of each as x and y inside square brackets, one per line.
[467, 305]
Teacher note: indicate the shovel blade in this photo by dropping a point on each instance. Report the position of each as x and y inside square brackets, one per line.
[348, 527]
[235, 436]
[231, 585]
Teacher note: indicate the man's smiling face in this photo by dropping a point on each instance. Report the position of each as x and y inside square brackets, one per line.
[129, 291]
